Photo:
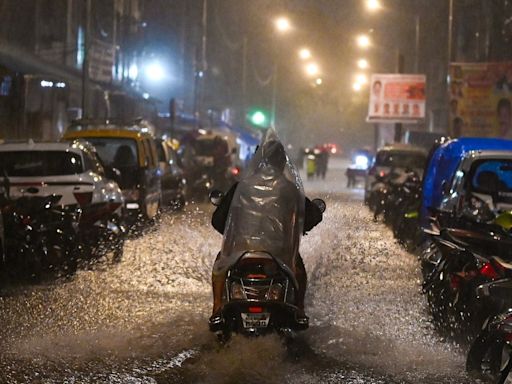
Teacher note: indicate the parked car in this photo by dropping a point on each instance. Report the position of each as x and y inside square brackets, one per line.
[71, 170]
[74, 173]
[129, 148]
[399, 157]
[173, 178]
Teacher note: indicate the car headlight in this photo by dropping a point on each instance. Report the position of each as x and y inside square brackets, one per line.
[275, 292]
[237, 291]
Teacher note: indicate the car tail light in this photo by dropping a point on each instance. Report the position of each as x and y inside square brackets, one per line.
[489, 271]
[255, 309]
[235, 171]
[83, 198]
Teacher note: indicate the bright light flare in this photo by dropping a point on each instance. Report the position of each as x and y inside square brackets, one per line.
[363, 41]
[361, 78]
[312, 69]
[363, 64]
[357, 87]
[373, 5]
[283, 24]
[319, 81]
[361, 162]
[155, 71]
[305, 54]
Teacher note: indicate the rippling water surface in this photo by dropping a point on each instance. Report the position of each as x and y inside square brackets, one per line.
[144, 320]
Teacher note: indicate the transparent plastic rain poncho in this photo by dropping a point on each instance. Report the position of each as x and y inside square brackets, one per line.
[267, 211]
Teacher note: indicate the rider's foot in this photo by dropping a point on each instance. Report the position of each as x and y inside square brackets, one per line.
[301, 319]
[216, 322]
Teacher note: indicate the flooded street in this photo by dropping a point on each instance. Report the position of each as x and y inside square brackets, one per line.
[144, 320]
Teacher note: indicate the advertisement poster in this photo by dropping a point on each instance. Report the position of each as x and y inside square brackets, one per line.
[480, 99]
[396, 98]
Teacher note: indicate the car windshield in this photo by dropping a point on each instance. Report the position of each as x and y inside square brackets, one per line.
[116, 152]
[400, 159]
[40, 163]
[492, 177]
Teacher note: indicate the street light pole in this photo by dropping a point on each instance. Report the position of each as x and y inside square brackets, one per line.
[417, 45]
[85, 64]
[274, 95]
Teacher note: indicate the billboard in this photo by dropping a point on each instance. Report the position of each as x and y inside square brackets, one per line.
[480, 99]
[101, 61]
[397, 98]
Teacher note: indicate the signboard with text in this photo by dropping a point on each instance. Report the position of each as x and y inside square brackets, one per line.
[481, 99]
[101, 61]
[397, 98]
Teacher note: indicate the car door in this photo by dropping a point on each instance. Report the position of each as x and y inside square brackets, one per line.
[152, 178]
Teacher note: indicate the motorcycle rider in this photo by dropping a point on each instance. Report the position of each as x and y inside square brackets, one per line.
[272, 168]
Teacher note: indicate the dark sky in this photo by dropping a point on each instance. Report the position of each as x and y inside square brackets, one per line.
[305, 114]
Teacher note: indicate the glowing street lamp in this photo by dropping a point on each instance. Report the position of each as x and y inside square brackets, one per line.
[373, 5]
[283, 24]
[319, 81]
[155, 71]
[312, 69]
[363, 64]
[305, 54]
[363, 41]
[357, 87]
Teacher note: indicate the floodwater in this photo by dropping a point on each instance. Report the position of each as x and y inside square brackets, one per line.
[144, 320]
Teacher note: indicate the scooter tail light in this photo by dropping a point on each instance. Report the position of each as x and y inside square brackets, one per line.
[255, 309]
[83, 198]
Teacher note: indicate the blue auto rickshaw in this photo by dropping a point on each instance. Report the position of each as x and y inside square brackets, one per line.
[463, 169]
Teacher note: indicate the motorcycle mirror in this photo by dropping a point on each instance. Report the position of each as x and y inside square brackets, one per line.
[320, 204]
[216, 197]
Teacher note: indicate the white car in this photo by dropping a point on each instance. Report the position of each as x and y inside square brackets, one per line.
[71, 170]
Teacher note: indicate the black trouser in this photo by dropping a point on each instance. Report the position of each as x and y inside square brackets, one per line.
[302, 280]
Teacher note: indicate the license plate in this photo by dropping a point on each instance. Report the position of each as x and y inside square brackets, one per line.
[255, 320]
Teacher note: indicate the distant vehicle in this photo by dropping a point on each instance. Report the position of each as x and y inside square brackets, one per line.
[361, 161]
[173, 178]
[130, 148]
[399, 157]
[208, 165]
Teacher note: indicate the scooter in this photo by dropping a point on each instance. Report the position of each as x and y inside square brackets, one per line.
[259, 298]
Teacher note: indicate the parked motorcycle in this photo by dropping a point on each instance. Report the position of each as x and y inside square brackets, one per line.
[456, 263]
[41, 236]
[491, 350]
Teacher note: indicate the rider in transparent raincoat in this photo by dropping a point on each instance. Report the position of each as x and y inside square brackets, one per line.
[266, 211]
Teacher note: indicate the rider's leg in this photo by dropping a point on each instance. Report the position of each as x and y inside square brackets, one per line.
[302, 279]
[218, 286]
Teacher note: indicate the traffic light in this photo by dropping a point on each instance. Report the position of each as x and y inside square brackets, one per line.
[259, 118]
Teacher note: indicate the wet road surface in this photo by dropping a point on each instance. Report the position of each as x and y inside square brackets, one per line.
[144, 320]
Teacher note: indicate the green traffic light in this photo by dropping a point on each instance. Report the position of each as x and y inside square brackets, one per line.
[258, 118]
